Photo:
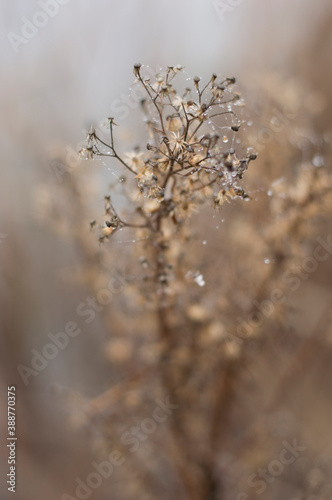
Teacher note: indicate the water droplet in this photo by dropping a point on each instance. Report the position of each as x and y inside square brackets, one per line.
[270, 192]
[318, 161]
[199, 280]
[225, 139]
[250, 123]
[267, 261]
[204, 242]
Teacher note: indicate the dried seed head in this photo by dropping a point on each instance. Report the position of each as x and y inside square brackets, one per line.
[137, 68]
[111, 121]
[179, 139]
[107, 231]
[196, 81]
[164, 89]
[229, 161]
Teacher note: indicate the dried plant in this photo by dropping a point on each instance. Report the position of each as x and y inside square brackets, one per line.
[194, 320]
[184, 165]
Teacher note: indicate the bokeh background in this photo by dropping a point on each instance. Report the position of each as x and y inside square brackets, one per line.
[72, 73]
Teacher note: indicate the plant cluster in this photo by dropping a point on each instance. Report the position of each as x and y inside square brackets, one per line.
[185, 163]
[198, 323]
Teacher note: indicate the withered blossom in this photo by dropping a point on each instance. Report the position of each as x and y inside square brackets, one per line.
[184, 163]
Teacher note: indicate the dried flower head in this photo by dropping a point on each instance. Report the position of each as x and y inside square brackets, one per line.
[183, 158]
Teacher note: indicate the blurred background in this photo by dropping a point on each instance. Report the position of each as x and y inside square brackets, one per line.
[73, 70]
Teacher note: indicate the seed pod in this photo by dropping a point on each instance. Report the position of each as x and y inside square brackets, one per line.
[137, 68]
